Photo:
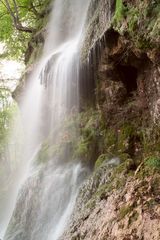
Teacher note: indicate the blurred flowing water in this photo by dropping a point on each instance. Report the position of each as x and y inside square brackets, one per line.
[43, 195]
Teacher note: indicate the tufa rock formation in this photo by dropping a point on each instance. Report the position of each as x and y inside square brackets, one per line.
[121, 52]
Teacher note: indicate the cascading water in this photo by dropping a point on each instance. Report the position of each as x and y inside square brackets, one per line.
[48, 191]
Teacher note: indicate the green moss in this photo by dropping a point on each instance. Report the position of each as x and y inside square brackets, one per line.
[150, 138]
[124, 135]
[133, 217]
[102, 190]
[153, 162]
[43, 154]
[124, 157]
[119, 183]
[141, 23]
[82, 144]
[133, 17]
[117, 179]
[81, 149]
[110, 140]
[124, 210]
[100, 160]
[119, 12]
[155, 189]
[151, 203]
[48, 151]
[91, 204]
[143, 43]
[66, 140]
[91, 132]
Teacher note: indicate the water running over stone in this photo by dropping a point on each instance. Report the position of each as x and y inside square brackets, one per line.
[47, 197]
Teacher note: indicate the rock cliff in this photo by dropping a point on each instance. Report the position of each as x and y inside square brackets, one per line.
[120, 200]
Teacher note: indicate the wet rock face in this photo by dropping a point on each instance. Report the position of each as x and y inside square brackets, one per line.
[126, 77]
[24, 219]
[127, 86]
[123, 70]
[104, 212]
[99, 19]
[121, 74]
[124, 74]
[153, 90]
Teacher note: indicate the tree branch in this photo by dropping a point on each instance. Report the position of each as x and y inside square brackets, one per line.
[16, 9]
[15, 17]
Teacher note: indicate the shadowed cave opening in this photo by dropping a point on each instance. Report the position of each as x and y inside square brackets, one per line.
[128, 75]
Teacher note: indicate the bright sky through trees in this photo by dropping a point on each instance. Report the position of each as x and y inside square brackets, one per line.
[10, 71]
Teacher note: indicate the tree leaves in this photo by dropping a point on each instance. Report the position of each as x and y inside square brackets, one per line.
[18, 20]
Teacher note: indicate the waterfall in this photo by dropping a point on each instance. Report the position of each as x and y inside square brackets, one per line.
[43, 195]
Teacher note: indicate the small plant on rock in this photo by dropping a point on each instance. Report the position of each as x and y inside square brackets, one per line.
[153, 162]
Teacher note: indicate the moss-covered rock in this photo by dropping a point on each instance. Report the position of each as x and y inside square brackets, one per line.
[140, 20]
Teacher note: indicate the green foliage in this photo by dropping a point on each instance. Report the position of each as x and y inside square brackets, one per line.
[119, 141]
[6, 27]
[100, 160]
[91, 131]
[7, 110]
[133, 17]
[153, 162]
[124, 135]
[66, 139]
[82, 144]
[119, 12]
[110, 140]
[124, 210]
[81, 148]
[17, 44]
[48, 151]
[31, 14]
[140, 22]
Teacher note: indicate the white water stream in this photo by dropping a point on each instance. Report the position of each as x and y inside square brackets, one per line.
[47, 193]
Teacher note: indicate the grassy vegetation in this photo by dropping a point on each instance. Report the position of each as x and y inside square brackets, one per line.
[153, 162]
[119, 12]
[140, 22]
[124, 210]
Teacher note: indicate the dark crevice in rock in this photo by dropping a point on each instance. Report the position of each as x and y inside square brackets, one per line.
[128, 75]
[111, 38]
